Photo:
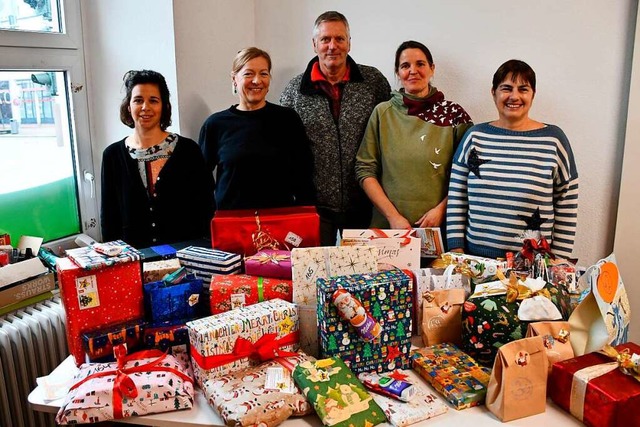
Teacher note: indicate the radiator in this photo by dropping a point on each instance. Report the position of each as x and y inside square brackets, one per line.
[32, 344]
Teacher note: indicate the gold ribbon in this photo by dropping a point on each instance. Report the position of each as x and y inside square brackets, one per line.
[264, 258]
[446, 260]
[624, 359]
[518, 291]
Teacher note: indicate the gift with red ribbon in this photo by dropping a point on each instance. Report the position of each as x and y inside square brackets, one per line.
[240, 290]
[240, 338]
[141, 383]
[600, 388]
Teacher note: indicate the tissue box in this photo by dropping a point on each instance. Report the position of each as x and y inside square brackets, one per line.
[156, 270]
[224, 342]
[205, 263]
[173, 302]
[239, 290]
[93, 299]
[388, 297]
[99, 344]
[269, 263]
[453, 374]
[595, 395]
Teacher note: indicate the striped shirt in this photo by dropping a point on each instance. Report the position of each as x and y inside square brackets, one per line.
[500, 178]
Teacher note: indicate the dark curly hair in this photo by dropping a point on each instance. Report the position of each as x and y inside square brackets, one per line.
[132, 79]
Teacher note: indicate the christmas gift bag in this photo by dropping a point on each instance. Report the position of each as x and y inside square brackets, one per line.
[262, 395]
[145, 382]
[518, 384]
[205, 262]
[385, 298]
[269, 263]
[249, 231]
[173, 302]
[441, 321]
[154, 271]
[556, 339]
[603, 316]
[396, 248]
[453, 374]
[339, 398]
[99, 344]
[239, 290]
[450, 280]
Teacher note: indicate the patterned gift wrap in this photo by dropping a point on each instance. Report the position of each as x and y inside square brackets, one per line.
[339, 398]
[594, 389]
[269, 263]
[238, 339]
[173, 302]
[422, 406]
[99, 344]
[480, 269]
[245, 398]
[387, 297]
[239, 290]
[205, 262]
[89, 259]
[156, 270]
[151, 382]
[171, 339]
[93, 299]
[453, 374]
[489, 321]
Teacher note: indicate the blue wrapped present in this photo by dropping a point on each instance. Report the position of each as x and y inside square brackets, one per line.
[205, 262]
[98, 344]
[176, 303]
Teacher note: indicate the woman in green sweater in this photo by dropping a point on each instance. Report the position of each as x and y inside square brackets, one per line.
[404, 160]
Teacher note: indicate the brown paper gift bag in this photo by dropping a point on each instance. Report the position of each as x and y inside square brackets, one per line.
[518, 384]
[555, 338]
[441, 316]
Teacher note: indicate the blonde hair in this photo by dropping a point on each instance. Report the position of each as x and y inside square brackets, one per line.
[246, 55]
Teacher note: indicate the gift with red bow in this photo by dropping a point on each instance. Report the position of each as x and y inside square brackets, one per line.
[145, 382]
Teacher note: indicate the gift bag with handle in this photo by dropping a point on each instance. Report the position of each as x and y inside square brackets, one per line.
[556, 340]
[442, 321]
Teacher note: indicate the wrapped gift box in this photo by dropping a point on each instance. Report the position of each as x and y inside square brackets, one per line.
[248, 397]
[94, 299]
[422, 406]
[453, 374]
[339, 398]
[177, 302]
[269, 263]
[89, 258]
[205, 262]
[99, 344]
[396, 248]
[171, 339]
[160, 386]
[595, 391]
[156, 270]
[229, 341]
[388, 297]
[480, 269]
[239, 290]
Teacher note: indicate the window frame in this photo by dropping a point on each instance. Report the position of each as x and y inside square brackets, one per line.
[25, 50]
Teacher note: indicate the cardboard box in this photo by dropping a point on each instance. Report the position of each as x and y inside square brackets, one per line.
[24, 280]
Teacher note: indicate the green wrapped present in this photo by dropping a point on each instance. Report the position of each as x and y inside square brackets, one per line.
[453, 374]
[387, 297]
[339, 398]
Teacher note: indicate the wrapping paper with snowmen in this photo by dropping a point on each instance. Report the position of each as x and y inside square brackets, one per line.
[387, 296]
[250, 397]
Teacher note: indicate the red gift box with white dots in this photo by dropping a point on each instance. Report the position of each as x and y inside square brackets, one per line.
[94, 299]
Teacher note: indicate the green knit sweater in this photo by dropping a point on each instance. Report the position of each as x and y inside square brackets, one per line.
[411, 155]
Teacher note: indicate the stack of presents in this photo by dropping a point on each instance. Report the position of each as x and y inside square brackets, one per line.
[279, 327]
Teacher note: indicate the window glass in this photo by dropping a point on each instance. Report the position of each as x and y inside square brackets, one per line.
[30, 15]
[38, 194]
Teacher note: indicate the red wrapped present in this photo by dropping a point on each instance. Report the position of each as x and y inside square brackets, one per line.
[239, 290]
[269, 263]
[248, 231]
[93, 299]
[595, 389]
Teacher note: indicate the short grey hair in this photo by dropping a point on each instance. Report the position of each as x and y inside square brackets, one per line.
[330, 16]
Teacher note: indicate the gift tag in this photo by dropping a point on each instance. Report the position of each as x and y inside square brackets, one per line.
[87, 289]
[237, 301]
[293, 239]
[278, 378]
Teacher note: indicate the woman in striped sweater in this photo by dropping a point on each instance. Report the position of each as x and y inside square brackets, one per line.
[512, 178]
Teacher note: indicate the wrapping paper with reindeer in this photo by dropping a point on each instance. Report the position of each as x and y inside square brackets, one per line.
[518, 384]
[241, 338]
[396, 248]
[603, 316]
[142, 383]
[240, 290]
[600, 389]
[339, 398]
[556, 339]
[264, 395]
[453, 374]
[386, 298]
[441, 321]
[497, 313]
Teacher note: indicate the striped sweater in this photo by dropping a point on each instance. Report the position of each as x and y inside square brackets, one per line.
[501, 179]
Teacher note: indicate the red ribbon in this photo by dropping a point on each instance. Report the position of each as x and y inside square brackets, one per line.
[530, 247]
[393, 351]
[266, 348]
[378, 233]
[123, 385]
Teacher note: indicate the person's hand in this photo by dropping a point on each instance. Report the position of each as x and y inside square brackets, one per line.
[433, 217]
[398, 222]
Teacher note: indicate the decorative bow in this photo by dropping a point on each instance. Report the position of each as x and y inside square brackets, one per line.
[530, 247]
[262, 239]
[393, 351]
[378, 233]
[447, 259]
[627, 362]
[517, 291]
[264, 257]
